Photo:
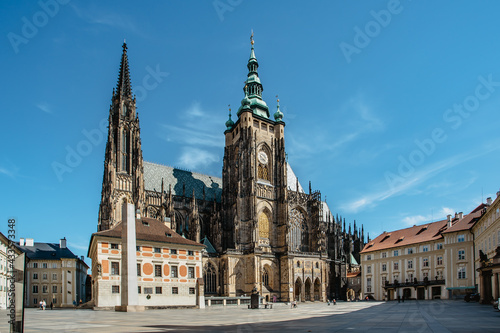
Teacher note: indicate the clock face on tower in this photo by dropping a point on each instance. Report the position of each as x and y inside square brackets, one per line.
[263, 157]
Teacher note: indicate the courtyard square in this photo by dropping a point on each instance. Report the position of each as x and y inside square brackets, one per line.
[373, 316]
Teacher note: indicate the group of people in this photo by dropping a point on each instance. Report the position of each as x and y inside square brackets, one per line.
[42, 305]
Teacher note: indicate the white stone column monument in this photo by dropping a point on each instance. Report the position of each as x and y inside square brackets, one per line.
[128, 277]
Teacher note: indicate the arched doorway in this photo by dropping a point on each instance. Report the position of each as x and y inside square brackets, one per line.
[307, 296]
[298, 289]
[317, 290]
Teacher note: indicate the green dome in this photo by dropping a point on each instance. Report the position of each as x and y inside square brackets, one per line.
[229, 122]
[278, 115]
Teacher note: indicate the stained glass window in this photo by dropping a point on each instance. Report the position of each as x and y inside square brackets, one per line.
[263, 225]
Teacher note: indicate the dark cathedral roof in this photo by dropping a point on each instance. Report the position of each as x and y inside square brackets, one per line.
[182, 182]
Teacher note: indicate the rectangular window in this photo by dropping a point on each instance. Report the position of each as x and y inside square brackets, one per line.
[35, 289]
[425, 248]
[263, 126]
[54, 289]
[191, 291]
[425, 274]
[461, 273]
[115, 289]
[396, 253]
[175, 290]
[45, 289]
[148, 291]
[54, 265]
[426, 262]
[35, 301]
[368, 257]
[384, 254]
[173, 251]
[44, 276]
[138, 269]
[439, 261]
[173, 272]
[35, 276]
[35, 264]
[158, 270]
[461, 238]
[191, 272]
[190, 253]
[384, 280]
[138, 289]
[54, 276]
[396, 266]
[157, 250]
[410, 277]
[368, 285]
[461, 254]
[384, 267]
[115, 268]
[158, 290]
[410, 251]
[410, 264]
[114, 246]
[44, 265]
[439, 246]
[368, 269]
[255, 123]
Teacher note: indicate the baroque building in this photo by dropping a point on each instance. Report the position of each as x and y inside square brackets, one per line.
[261, 230]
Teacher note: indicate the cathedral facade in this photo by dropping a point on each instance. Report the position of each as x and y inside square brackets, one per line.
[261, 230]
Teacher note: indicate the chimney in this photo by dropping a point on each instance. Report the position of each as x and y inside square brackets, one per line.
[62, 243]
[21, 241]
[29, 242]
[167, 222]
[138, 214]
[460, 215]
[489, 201]
[449, 220]
[456, 215]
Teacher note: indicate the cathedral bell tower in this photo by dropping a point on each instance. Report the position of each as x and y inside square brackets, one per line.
[254, 172]
[123, 178]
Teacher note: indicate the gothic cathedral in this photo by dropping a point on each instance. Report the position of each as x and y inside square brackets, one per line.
[261, 230]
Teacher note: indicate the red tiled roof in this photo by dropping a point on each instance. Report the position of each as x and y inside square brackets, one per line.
[148, 229]
[422, 233]
[353, 274]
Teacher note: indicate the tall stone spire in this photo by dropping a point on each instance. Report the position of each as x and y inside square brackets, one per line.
[123, 179]
[253, 88]
[123, 87]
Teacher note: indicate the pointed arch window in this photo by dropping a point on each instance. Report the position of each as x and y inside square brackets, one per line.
[263, 172]
[265, 278]
[264, 225]
[298, 234]
[124, 110]
[210, 279]
[124, 151]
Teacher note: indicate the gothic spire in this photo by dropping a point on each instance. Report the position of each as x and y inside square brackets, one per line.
[123, 87]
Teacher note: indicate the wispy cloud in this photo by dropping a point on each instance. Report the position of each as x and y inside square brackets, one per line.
[383, 191]
[113, 19]
[194, 158]
[78, 246]
[358, 119]
[418, 219]
[200, 128]
[44, 107]
[9, 169]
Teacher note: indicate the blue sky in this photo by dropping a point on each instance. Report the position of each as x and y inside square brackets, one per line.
[391, 108]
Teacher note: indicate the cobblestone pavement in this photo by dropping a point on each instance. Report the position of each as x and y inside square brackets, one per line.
[410, 316]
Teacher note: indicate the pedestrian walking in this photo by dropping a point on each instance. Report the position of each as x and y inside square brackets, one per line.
[44, 305]
[51, 305]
